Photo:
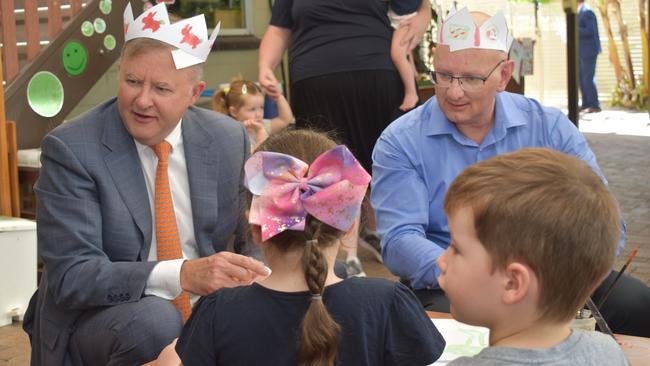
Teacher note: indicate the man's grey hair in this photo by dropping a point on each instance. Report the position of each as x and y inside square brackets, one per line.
[138, 46]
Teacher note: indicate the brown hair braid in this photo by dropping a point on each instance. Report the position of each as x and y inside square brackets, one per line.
[318, 341]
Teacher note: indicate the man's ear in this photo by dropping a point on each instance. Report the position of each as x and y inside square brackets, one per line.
[197, 89]
[506, 73]
[517, 282]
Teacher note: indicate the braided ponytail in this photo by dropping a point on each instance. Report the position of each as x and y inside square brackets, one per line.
[319, 334]
[318, 339]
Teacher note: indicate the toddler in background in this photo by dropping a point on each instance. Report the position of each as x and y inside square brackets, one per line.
[305, 194]
[244, 101]
[533, 233]
[402, 57]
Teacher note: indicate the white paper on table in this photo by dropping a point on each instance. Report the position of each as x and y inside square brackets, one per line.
[462, 339]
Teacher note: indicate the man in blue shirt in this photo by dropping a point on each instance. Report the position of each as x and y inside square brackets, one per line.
[471, 119]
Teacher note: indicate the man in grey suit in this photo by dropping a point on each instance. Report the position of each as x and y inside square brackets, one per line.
[104, 297]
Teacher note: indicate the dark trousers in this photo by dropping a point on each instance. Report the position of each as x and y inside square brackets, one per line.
[588, 82]
[127, 334]
[626, 309]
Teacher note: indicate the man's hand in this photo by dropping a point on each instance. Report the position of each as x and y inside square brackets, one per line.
[203, 276]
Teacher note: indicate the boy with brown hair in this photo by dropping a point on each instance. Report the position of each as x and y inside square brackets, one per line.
[533, 233]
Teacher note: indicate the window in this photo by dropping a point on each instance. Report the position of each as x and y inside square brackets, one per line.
[235, 15]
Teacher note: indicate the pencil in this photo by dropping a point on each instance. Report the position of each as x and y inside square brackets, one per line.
[620, 273]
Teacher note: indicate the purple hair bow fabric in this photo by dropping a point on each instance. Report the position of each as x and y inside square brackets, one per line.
[286, 189]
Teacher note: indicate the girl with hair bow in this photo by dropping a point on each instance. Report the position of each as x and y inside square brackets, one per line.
[305, 193]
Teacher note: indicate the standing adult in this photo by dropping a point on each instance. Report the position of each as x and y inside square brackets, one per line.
[342, 76]
[138, 199]
[588, 50]
[471, 119]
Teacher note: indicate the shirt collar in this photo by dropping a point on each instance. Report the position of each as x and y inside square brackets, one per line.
[174, 138]
[438, 124]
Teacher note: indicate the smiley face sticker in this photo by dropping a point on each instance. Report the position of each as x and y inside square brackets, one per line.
[74, 58]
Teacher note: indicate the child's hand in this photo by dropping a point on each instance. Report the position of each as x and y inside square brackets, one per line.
[253, 125]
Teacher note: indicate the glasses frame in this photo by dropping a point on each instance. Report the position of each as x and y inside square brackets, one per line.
[432, 75]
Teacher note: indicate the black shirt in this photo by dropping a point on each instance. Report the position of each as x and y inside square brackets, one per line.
[329, 36]
[382, 323]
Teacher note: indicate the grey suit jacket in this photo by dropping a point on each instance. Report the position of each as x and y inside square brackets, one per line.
[94, 220]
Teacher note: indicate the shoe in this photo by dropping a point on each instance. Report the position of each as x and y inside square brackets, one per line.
[593, 110]
[353, 267]
[369, 240]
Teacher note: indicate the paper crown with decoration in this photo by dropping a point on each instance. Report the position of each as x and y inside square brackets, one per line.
[188, 36]
[459, 32]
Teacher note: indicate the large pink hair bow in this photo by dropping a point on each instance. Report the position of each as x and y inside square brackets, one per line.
[286, 189]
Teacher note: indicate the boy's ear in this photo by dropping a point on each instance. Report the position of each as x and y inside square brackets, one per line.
[517, 282]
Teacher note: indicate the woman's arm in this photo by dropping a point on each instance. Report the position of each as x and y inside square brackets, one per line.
[285, 115]
[274, 43]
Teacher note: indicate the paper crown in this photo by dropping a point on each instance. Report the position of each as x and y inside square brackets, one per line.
[459, 32]
[189, 36]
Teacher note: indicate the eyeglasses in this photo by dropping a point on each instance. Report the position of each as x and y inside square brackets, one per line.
[467, 83]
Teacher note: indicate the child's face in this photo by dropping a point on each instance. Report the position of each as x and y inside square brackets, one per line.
[252, 109]
[466, 273]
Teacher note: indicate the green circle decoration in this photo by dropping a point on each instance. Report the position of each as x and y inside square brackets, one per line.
[87, 28]
[105, 6]
[45, 94]
[110, 42]
[74, 58]
[100, 25]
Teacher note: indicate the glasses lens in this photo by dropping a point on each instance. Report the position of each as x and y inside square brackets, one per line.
[440, 78]
[470, 83]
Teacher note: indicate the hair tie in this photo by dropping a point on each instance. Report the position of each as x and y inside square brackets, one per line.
[226, 90]
[316, 297]
[311, 242]
[244, 89]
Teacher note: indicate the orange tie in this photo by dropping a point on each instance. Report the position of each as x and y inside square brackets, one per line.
[168, 241]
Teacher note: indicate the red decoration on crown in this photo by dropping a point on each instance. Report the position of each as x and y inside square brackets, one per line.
[150, 23]
[189, 37]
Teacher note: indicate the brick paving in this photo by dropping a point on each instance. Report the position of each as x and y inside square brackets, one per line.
[621, 142]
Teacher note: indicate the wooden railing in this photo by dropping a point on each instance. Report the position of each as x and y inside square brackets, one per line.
[34, 36]
[29, 24]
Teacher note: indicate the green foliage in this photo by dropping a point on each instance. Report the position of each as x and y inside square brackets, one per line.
[625, 96]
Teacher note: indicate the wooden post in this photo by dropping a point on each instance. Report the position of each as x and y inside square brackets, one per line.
[5, 185]
[12, 155]
[572, 58]
[75, 7]
[9, 47]
[32, 29]
[53, 19]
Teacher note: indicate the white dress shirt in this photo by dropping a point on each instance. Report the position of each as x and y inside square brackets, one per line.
[164, 280]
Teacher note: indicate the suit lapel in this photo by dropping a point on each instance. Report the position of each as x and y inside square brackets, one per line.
[124, 166]
[202, 159]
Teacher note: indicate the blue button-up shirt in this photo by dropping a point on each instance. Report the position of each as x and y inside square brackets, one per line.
[418, 156]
